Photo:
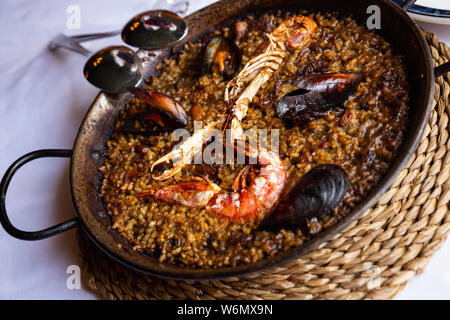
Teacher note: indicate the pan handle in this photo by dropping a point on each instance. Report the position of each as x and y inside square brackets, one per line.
[4, 220]
[442, 69]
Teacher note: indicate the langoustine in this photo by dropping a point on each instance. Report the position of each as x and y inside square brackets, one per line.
[293, 33]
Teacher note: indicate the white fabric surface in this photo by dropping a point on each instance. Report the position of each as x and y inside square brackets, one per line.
[43, 98]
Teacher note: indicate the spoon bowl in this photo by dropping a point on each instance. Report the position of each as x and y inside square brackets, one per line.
[114, 69]
[154, 29]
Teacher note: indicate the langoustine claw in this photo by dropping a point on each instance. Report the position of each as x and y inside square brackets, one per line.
[182, 155]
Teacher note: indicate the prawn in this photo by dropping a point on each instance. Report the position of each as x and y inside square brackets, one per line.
[244, 201]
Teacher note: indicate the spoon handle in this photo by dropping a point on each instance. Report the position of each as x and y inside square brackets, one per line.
[93, 36]
[73, 43]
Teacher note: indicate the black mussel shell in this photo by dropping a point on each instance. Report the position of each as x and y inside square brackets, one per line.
[149, 123]
[317, 94]
[163, 103]
[314, 197]
[222, 53]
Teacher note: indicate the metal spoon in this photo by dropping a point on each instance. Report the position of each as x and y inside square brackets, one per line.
[149, 30]
[114, 69]
[154, 30]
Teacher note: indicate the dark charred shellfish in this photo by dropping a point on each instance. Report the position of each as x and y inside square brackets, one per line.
[165, 114]
[317, 94]
[313, 198]
[162, 102]
[149, 123]
[222, 53]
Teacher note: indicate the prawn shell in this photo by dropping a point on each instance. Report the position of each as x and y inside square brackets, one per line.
[316, 95]
[315, 196]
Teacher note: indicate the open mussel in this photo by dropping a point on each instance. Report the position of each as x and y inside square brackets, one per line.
[165, 114]
[316, 95]
[312, 198]
[163, 103]
[223, 54]
[149, 123]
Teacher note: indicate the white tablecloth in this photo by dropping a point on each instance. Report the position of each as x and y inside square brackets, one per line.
[43, 98]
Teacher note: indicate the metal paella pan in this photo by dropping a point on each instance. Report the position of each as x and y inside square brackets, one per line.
[89, 149]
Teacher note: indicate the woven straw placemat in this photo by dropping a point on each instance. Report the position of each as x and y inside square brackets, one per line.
[373, 258]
